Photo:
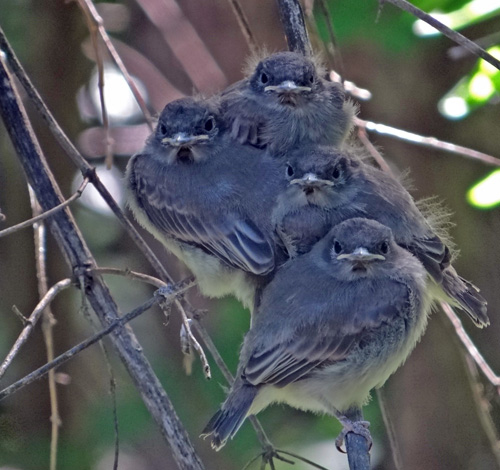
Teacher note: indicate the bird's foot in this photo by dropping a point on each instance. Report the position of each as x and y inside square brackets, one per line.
[357, 427]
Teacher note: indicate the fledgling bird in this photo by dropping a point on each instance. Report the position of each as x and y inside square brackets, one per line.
[286, 101]
[333, 324]
[328, 186]
[207, 198]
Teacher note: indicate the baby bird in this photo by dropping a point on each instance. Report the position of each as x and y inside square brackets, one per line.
[333, 324]
[207, 198]
[286, 101]
[327, 186]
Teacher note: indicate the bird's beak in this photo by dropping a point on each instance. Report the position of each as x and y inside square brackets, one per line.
[311, 180]
[182, 139]
[288, 86]
[361, 255]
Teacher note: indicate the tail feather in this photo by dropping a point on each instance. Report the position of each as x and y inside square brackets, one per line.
[226, 422]
[467, 296]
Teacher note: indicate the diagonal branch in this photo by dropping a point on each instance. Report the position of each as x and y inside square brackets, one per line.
[448, 32]
[79, 259]
[46, 214]
[86, 169]
[32, 321]
[430, 142]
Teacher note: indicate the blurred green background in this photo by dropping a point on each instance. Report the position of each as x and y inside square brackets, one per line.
[175, 48]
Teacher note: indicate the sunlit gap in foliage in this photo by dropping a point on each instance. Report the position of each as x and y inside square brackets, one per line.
[120, 102]
[473, 90]
[474, 11]
[486, 193]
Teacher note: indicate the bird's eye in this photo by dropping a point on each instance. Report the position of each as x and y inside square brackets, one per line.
[336, 173]
[209, 124]
[264, 78]
[162, 129]
[384, 247]
[290, 171]
[310, 79]
[337, 247]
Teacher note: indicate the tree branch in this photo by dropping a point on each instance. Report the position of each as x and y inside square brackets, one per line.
[448, 32]
[292, 19]
[430, 142]
[46, 214]
[79, 259]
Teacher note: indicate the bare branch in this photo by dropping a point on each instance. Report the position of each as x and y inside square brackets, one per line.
[173, 292]
[47, 324]
[244, 25]
[44, 370]
[471, 347]
[431, 142]
[448, 32]
[46, 214]
[483, 407]
[78, 257]
[294, 25]
[95, 22]
[154, 281]
[363, 137]
[86, 169]
[32, 321]
[358, 452]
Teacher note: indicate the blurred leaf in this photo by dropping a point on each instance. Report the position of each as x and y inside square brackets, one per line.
[442, 5]
[391, 29]
[470, 13]
[486, 193]
[472, 91]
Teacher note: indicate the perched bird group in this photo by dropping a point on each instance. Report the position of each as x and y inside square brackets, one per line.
[256, 191]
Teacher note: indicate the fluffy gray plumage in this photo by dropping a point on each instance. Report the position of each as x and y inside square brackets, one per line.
[207, 198]
[333, 324]
[328, 186]
[287, 101]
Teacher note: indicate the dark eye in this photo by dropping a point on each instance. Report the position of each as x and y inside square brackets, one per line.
[209, 124]
[337, 247]
[310, 79]
[336, 173]
[162, 129]
[289, 171]
[384, 248]
[264, 78]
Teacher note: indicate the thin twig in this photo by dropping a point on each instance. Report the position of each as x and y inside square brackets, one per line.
[78, 256]
[194, 342]
[32, 321]
[46, 214]
[80, 162]
[94, 22]
[44, 370]
[448, 32]
[391, 434]
[483, 407]
[296, 456]
[244, 25]
[93, 18]
[154, 281]
[332, 48]
[47, 324]
[471, 347]
[363, 137]
[431, 142]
